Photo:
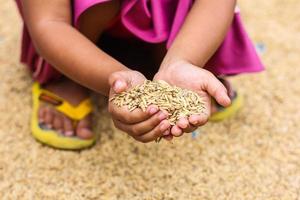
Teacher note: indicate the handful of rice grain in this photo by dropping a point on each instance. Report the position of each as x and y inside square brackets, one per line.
[176, 101]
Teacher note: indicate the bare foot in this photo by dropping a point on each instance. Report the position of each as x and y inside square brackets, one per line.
[53, 119]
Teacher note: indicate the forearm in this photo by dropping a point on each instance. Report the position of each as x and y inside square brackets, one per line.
[69, 51]
[75, 56]
[202, 32]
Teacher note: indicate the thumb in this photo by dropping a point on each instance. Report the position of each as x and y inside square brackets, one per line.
[118, 82]
[218, 91]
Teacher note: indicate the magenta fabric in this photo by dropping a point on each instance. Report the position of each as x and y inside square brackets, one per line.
[156, 21]
[237, 53]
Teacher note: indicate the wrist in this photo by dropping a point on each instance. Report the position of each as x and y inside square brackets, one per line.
[169, 68]
[170, 62]
[179, 54]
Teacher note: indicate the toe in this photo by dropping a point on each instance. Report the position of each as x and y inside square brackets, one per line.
[84, 133]
[84, 129]
[58, 122]
[49, 116]
[67, 126]
[41, 115]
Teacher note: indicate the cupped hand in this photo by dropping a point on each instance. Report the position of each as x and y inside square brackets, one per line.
[142, 126]
[186, 75]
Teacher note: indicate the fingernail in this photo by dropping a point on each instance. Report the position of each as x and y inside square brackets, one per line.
[41, 121]
[228, 100]
[162, 116]
[226, 97]
[152, 110]
[194, 122]
[118, 85]
[69, 133]
[184, 124]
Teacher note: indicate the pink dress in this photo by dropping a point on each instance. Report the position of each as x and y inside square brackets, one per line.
[156, 21]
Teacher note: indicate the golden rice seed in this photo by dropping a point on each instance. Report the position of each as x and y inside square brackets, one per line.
[143, 108]
[144, 101]
[166, 97]
[176, 101]
[132, 109]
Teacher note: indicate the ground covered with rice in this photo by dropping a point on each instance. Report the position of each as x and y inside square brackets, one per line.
[254, 155]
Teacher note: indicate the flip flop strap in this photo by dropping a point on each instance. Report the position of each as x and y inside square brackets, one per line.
[74, 112]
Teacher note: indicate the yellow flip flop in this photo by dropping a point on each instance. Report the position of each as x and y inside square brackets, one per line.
[224, 113]
[51, 137]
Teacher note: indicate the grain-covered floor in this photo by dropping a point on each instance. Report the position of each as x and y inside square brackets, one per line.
[255, 155]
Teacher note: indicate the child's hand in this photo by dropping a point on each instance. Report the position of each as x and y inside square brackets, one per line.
[142, 126]
[186, 75]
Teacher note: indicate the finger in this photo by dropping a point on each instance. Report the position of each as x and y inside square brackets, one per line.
[183, 123]
[146, 126]
[121, 126]
[168, 137]
[217, 90]
[167, 132]
[124, 115]
[176, 131]
[190, 128]
[118, 82]
[154, 133]
[152, 109]
[198, 120]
